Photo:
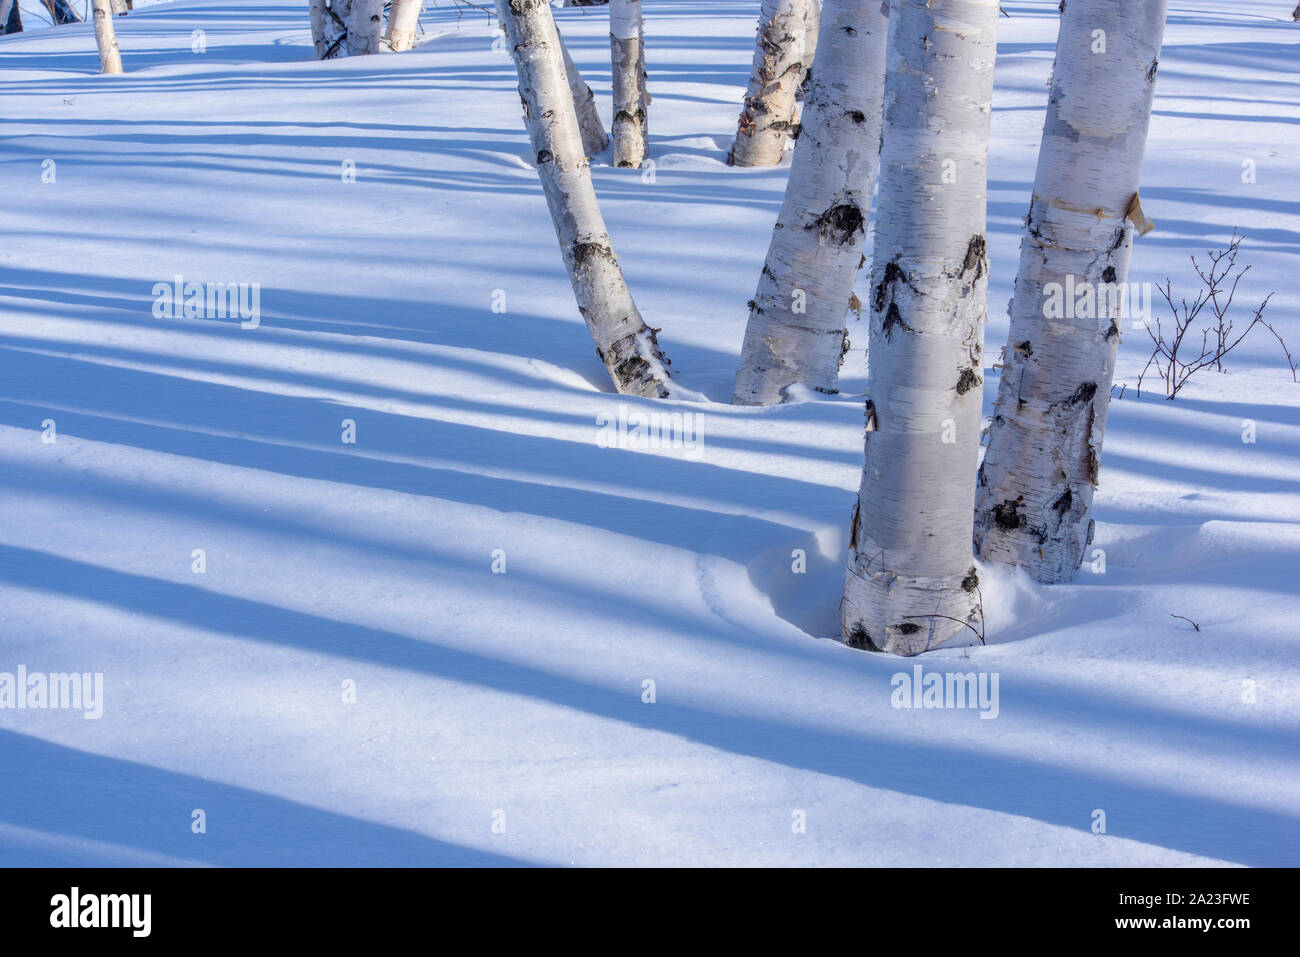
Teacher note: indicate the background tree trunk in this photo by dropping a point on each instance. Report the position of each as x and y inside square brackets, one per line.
[403, 21]
[329, 27]
[811, 36]
[11, 17]
[910, 544]
[110, 59]
[365, 27]
[594, 139]
[768, 111]
[1035, 489]
[627, 51]
[61, 12]
[624, 343]
[796, 320]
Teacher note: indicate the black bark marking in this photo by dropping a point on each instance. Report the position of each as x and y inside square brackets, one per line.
[976, 257]
[971, 581]
[1007, 514]
[1084, 393]
[892, 318]
[1108, 274]
[908, 628]
[840, 224]
[858, 638]
[1113, 331]
[543, 156]
[1151, 73]
[1024, 349]
[893, 273]
[583, 253]
[1063, 504]
[967, 381]
[857, 116]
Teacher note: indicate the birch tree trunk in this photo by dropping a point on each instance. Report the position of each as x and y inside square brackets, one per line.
[811, 35]
[403, 20]
[119, 8]
[11, 17]
[624, 343]
[796, 319]
[329, 27]
[594, 139]
[365, 27]
[110, 59]
[768, 111]
[911, 581]
[1035, 489]
[627, 51]
[61, 12]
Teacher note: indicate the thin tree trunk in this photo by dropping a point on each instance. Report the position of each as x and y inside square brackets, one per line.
[329, 27]
[11, 17]
[911, 581]
[594, 138]
[627, 51]
[403, 20]
[796, 320]
[779, 67]
[110, 59]
[61, 12]
[1035, 489]
[624, 343]
[365, 27]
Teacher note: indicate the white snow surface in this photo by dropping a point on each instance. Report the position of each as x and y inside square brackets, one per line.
[516, 698]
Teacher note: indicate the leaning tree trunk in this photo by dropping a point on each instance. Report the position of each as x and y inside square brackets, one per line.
[329, 27]
[365, 27]
[627, 51]
[403, 20]
[1035, 489]
[11, 17]
[911, 581]
[592, 129]
[779, 67]
[110, 59]
[624, 343]
[796, 318]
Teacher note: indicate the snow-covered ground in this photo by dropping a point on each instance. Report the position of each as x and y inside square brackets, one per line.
[502, 717]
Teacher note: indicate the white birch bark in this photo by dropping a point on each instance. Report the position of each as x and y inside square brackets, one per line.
[624, 343]
[329, 27]
[118, 7]
[11, 17]
[910, 565]
[403, 20]
[1035, 489]
[627, 53]
[594, 138]
[110, 58]
[365, 27]
[768, 111]
[796, 319]
[811, 36]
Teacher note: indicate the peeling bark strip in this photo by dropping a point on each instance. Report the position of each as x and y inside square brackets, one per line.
[768, 113]
[911, 580]
[110, 59]
[594, 138]
[796, 321]
[1050, 414]
[623, 342]
[403, 20]
[627, 52]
